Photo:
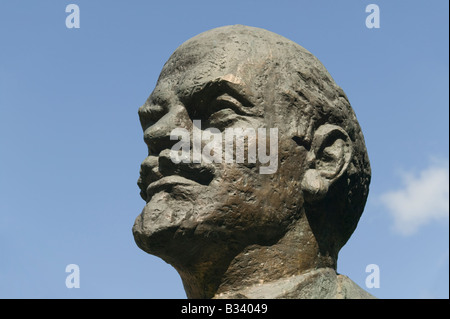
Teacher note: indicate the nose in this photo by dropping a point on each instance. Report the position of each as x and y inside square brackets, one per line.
[157, 135]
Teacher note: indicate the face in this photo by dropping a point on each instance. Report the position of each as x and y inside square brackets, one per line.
[190, 207]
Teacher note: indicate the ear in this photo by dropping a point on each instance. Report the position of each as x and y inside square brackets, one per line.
[328, 158]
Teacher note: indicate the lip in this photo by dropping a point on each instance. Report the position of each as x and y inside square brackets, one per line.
[167, 183]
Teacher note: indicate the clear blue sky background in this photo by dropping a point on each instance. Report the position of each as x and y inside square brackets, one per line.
[71, 143]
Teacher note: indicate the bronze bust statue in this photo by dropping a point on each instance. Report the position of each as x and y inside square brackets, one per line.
[230, 230]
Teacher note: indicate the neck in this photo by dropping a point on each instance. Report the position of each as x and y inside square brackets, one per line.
[296, 253]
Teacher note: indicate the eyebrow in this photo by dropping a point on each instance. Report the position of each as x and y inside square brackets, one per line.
[217, 86]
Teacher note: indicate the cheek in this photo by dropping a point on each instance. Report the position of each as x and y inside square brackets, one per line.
[280, 193]
[250, 201]
[291, 170]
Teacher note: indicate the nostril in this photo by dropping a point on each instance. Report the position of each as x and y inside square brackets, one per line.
[157, 134]
[149, 114]
[157, 138]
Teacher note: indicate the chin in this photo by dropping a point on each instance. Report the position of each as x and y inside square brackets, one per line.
[155, 227]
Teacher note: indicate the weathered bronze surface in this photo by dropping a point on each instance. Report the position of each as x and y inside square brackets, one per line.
[230, 231]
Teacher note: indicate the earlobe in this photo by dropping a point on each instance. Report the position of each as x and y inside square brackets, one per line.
[314, 187]
[329, 156]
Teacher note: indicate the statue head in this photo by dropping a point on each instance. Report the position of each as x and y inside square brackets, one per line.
[215, 220]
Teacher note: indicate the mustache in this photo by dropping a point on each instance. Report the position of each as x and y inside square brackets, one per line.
[153, 168]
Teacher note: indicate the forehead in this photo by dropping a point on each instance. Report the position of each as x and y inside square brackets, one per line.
[256, 56]
[200, 62]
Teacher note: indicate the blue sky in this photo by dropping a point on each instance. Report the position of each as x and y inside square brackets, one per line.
[71, 143]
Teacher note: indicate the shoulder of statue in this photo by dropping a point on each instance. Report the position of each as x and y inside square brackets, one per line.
[348, 289]
[323, 283]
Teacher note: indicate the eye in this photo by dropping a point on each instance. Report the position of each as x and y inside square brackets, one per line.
[226, 101]
[222, 119]
[216, 110]
[223, 111]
